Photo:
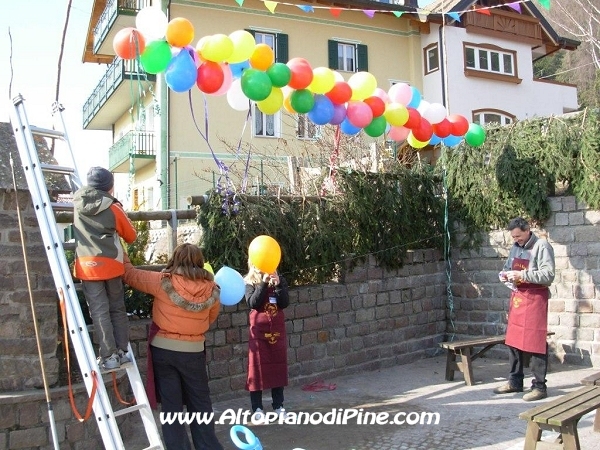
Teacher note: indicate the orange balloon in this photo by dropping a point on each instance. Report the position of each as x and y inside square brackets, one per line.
[129, 43]
[264, 253]
[180, 32]
[262, 57]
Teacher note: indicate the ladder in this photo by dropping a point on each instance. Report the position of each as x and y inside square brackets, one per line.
[78, 332]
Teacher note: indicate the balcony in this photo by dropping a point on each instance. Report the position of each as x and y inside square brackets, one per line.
[136, 147]
[505, 24]
[121, 87]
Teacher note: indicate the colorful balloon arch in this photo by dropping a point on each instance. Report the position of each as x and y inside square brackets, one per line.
[236, 66]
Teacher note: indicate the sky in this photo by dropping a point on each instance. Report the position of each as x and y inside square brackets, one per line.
[35, 28]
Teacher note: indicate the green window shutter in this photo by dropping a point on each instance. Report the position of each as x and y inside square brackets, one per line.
[282, 53]
[332, 47]
[362, 58]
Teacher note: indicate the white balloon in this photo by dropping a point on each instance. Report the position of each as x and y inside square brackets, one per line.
[151, 22]
[236, 98]
[423, 106]
[435, 113]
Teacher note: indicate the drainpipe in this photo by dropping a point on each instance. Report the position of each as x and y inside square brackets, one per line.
[443, 74]
[164, 150]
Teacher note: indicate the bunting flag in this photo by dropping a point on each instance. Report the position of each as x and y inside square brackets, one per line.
[335, 12]
[455, 16]
[484, 11]
[306, 9]
[240, 2]
[397, 13]
[369, 13]
[271, 6]
[545, 4]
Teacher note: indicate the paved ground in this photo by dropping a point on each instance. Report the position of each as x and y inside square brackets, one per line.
[471, 417]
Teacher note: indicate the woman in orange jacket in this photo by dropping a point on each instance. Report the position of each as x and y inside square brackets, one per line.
[186, 302]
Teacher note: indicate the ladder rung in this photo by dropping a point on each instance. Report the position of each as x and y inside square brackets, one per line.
[129, 409]
[154, 447]
[53, 168]
[54, 134]
[62, 206]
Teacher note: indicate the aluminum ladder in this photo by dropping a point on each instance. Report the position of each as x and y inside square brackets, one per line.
[77, 328]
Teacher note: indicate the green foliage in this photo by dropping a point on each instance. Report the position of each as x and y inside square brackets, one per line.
[138, 303]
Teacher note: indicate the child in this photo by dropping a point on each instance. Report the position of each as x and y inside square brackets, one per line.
[99, 222]
[267, 296]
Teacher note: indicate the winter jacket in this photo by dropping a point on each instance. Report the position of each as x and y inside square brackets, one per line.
[99, 222]
[540, 254]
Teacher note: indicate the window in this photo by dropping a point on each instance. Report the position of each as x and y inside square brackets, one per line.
[305, 129]
[136, 200]
[431, 58]
[486, 117]
[265, 125]
[347, 56]
[489, 59]
[277, 41]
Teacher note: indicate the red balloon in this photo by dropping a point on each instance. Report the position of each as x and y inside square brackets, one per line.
[424, 132]
[340, 93]
[128, 43]
[210, 77]
[376, 104]
[442, 129]
[301, 73]
[414, 118]
[460, 125]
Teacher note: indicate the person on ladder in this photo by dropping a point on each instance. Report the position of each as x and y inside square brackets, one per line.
[99, 223]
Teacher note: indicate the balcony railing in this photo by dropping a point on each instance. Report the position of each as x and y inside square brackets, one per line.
[133, 144]
[109, 16]
[116, 73]
[505, 23]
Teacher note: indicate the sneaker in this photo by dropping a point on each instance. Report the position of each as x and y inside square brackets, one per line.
[258, 415]
[281, 412]
[507, 389]
[110, 363]
[535, 394]
[124, 359]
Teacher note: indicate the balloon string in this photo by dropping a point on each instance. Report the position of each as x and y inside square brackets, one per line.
[245, 179]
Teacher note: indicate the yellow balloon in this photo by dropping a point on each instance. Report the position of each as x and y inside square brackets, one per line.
[323, 80]
[208, 267]
[396, 114]
[216, 48]
[363, 85]
[243, 46]
[413, 142]
[272, 103]
[264, 253]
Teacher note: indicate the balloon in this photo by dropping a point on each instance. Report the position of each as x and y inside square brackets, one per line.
[424, 131]
[359, 114]
[451, 141]
[396, 114]
[348, 128]
[156, 57]
[423, 107]
[232, 285]
[215, 48]
[181, 74]
[272, 103]
[256, 84]
[339, 114]
[252, 442]
[128, 43]
[264, 253]
[237, 69]
[414, 118]
[435, 140]
[414, 142]
[376, 104]
[210, 77]
[301, 73]
[243, 46]
[475, 136]
[460, 125]
[151, 22]
[180, 32]
[262, 57]
[376, 127]
[363, 85]
[302, 101]
[415, 98]
[435, 113]
[279, 74]
[323, 80]
[398, 133]
[208, 267]
[322, 111]
[341, 92]
[227, 80]
[382, 95]
[400, 93]
[236, 98]
[443, 128]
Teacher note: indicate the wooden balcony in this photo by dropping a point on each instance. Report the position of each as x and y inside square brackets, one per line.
[505, 24]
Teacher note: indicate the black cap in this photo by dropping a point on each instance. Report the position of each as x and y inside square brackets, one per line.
[100, 178]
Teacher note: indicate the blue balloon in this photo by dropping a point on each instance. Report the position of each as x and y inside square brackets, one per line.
[451, 140]
[322, 111]
[232, 286]
[252, 442]
[181, 72]
[435, 140]
[416, 98]
[348, 128]
[238, 68]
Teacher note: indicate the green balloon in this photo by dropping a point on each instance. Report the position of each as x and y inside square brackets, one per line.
[302, 101]
[156, 57]
[475, 136]
[280, 74]
[256, 84]
[376, 127]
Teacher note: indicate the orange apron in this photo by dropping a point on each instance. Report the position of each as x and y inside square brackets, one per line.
[527, 315]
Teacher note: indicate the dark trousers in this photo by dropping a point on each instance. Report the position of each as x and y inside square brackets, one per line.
[276, 394]
[180, 378]
[538, 364]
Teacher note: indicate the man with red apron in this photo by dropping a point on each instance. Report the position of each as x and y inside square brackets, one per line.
[530, 270]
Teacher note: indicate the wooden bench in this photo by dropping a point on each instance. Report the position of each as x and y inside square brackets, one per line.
[593, 380]
[560, 415]
[465, 349]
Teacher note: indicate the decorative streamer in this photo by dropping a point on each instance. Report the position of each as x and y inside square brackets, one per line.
[240, 2]
[397, 13]
[306, 9]
[454, 16]
[515, 6]
[545, 4]
[370, 13]
[335, 12]
[271, 6]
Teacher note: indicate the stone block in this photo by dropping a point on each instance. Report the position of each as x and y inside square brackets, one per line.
[27, 438]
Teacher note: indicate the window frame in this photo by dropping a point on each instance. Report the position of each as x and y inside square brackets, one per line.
[256, 113]
[360, 55]
[311, 131]
[507, 118]
[488, 72]
[426, 61]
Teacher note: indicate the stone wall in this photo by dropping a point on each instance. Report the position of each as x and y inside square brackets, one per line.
[480, 301]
